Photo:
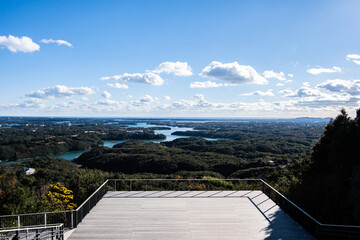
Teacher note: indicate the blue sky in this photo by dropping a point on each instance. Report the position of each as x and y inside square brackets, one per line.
[179, 58]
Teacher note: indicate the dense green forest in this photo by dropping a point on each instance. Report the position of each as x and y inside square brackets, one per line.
[229, 158]
[38, 139]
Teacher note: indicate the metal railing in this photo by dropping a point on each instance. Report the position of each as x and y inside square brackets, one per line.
[32, 219]
[71, 219]
[320, 230]
[53, 232]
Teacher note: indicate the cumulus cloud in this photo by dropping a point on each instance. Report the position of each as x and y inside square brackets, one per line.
[206, 84]
[167, 98]
[280, 84]
[147, 78]
[307, 92]
[319, 70]
[290, 75]
[177, 68]
[271, 74]
[106, 94]
[287, 93]
[342, 86]
[145, 100]
[200, 103]
[302, 92]
[259, 93]
[29, 104]
[32, 103]
[60, 91]
[107, 102]
[118, 85]
[16, 44]
[353, 57]
[314, 98]
[58, 42]
[199, 96]
[233, 73]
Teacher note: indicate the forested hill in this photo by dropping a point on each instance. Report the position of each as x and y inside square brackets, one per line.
[329, 187]
[227, 157]
[303, 133]
[141, 157]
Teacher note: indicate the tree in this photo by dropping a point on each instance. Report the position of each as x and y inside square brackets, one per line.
[58, 198]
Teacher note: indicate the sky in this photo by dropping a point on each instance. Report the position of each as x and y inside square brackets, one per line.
[247, 59]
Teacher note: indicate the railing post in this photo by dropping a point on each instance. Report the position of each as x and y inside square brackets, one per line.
[115, 185]
[72, 219]
[130, 185]
[45, 219]
[37, 234]
[18, 221]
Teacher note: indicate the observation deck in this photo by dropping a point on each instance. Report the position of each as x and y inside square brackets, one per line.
[188, 215]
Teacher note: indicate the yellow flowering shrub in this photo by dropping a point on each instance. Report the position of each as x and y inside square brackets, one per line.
[59, 198]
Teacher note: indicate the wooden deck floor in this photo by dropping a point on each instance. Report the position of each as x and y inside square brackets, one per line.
[188, 215]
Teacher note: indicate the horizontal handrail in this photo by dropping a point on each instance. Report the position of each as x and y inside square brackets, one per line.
[39, 213]
[32, 227]
[183, 179]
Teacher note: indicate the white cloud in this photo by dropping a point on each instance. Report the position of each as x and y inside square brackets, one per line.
[290, 75]
[287, 93]
[302, 92]
[271, 74]
[314, 98]
[233, 73]
[32, 103]
[29, 104]
[306, 84]
[199, 96]
[307, 92]
[198, 104]
[84, 99]
[206, 84]
[60, 91]
[107, 102]
[15, 44]
[106, 94]
[280, 84]
[58, 42]
[147, 78]
[319, 70]
[145, 100]
[177, 68]
[353, 57]
[167, 98]
[118, 85]
[342, 86]
[259, 93]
